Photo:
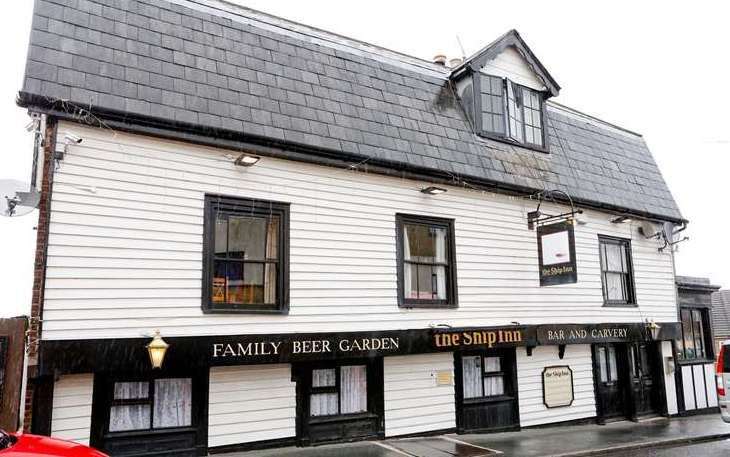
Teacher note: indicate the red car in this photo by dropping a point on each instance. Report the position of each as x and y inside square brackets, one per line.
[22, 445]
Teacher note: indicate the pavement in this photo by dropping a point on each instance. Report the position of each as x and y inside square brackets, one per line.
[705, 435]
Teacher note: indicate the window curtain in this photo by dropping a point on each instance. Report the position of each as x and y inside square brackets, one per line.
[353, 389]
[493, 385]
[408, 291]
[323, 404]
[440, 258]
[272, 245]
[602, 368]
[173, 403]
[130, 417]
[612, 363]
[471, 371]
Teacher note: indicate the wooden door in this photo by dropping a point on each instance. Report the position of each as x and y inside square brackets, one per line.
[609, 364]
[643, 361]
[486, 391]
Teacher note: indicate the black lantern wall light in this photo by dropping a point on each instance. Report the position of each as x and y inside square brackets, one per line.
[555, 240]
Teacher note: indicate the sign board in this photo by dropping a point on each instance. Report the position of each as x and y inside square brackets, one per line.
[557, 386]
[556, 254]
[444, 378]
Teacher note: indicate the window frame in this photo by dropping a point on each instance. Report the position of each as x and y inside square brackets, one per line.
[625, 244]
[706, 337]
[507, 388]
[337, 389]
[505, 137]
[150, 400]
[451, 301]
[245, 207]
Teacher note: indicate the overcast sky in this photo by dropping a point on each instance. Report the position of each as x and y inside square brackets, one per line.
[658, 68]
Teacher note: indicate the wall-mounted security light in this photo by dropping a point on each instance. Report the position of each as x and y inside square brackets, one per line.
[433, 190]
[72, 138]
[247, 160]
[653, 328]
[621, 220]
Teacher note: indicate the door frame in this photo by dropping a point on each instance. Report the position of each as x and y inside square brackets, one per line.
[511, 356]
[624, 384]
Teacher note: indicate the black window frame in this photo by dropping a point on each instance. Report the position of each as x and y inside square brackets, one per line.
[705, 338]
[149, 400]
[245, 207]
[451, 301]
[507, 388]
[505, 136]
[630, 292]
[336, 389]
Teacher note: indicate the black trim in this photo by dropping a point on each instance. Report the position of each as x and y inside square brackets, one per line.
[181, 131]
[42, 412]
[630, 291]
[252, 446]
[452, 299]
[246, 207]
[4, 341]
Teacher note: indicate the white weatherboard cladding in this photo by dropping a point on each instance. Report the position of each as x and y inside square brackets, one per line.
[529, 381]
[688, 389]
[669, 378]
[251, 403]
[414, 402]
[71, 414]
[510, 64]
[126, 245]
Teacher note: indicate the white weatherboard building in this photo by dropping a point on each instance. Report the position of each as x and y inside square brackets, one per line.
[337, 241]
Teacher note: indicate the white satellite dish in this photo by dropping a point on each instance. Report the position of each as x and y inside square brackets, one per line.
[649, 229]
[668, 231]
[17, 198]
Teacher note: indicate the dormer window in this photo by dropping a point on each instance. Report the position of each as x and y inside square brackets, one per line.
[523, 122]
[503, 88]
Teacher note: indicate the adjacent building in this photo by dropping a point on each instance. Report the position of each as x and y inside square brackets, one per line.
[720, 317]
[336, 241]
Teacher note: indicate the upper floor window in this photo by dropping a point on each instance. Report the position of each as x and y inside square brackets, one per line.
[426, 261]
[695, 338]
[616, 272]
[246, 255]
[511, 111]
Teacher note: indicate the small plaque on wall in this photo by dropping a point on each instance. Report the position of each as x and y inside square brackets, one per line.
[557, 386]
[556, 254]
[444, 378]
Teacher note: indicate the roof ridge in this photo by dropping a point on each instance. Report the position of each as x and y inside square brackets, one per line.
[575, 112]
[354, 45]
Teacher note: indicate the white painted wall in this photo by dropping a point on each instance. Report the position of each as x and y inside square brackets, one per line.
[669, 378]
[251, 403]
[71, 414]
[510, 64]
[529, 381]
[698, 386]
[414, 403]
[125, 248]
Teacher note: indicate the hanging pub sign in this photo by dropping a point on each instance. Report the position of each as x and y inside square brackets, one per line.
[556, 254]
[557, 386]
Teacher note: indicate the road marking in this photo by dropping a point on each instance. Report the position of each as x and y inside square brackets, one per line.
[391, 448]
[448, 438]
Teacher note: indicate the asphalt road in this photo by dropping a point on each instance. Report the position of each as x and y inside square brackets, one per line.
[710, 449]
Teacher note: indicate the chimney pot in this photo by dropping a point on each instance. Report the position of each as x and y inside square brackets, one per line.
[440, 59]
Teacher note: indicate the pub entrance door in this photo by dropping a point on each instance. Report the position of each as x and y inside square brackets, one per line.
[646, 388]
[611, 373]
[486, 390]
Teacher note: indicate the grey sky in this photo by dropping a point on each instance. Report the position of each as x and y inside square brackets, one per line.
[658, 68]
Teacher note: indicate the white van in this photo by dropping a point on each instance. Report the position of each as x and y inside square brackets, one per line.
[722, 370]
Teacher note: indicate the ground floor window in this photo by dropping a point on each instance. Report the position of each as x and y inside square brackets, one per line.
[694, 342]
[482, 376]
[607, 365]
[144, 405]
[339, 390]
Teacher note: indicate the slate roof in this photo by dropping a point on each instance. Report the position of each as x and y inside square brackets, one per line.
[721, 313]
[230, 68]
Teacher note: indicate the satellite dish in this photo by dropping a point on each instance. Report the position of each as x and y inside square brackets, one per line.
[668, 232]
[17, 198]
[649, 229]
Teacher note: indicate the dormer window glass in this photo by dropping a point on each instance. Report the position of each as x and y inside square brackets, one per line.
[510, 111]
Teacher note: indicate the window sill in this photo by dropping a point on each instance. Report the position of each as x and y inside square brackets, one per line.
[342, 418]
[620, 305]
[427, 306]
[501, 139]
[248, 310]
[695, 361]
[154, 431]
[480, 400]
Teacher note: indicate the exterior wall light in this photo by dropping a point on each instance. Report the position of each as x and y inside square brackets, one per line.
[653, 329]
[157, 348]
[433, 190]
[246, 160]
[621, 219]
